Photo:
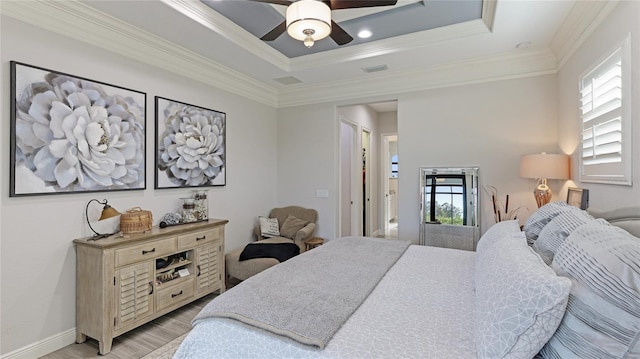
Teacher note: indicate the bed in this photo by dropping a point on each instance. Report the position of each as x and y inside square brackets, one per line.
[521, 294]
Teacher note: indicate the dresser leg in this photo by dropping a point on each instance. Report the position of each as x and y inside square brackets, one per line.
[105, 346]
[80, 338]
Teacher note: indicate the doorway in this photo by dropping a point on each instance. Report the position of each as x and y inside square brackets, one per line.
[361, 202]
[389, 179]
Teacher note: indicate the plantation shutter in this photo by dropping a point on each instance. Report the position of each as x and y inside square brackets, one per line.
[603, 152]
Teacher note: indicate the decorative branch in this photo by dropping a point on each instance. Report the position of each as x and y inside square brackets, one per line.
[498, 214]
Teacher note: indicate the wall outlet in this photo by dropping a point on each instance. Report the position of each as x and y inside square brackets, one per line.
[322, 193]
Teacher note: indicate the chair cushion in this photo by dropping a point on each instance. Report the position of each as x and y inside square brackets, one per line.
[291, 226]
[519, 300]
[269, 227]
[603, 315]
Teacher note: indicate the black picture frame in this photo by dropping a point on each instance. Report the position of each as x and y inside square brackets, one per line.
[190, 145]
[70, 134]
[578, 197]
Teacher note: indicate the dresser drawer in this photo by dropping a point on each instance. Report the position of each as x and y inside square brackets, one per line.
[194, 239]
[158, 248]
[169, 296]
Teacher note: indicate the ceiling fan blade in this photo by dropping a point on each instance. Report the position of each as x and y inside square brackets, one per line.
[276, 2]
[339, 35]
[353, 4]
[275, 33]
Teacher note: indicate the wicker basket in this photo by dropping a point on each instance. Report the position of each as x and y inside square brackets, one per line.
[136, 220]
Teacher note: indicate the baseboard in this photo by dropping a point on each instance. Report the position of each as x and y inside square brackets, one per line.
[43, 347]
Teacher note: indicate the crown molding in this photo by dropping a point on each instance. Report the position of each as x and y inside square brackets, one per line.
[489, 12]
[508, 66]
[211, 19]
[583, 19]
[204, 15]
[81, 22]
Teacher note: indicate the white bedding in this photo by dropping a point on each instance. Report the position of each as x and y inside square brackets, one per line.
[423, 307]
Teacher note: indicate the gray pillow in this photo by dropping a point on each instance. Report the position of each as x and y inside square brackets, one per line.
[291, 226]
[541, 217]
[519, 300]
[558, 229]
[603, 315]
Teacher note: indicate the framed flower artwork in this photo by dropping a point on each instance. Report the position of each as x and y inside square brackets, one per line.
[190, 145]
[70, 134]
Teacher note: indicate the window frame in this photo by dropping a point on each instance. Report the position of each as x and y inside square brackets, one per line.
[623, 176]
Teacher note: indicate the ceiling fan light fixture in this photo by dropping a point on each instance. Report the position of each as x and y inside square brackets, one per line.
[308, 21]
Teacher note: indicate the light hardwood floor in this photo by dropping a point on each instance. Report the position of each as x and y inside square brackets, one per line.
[144, 339]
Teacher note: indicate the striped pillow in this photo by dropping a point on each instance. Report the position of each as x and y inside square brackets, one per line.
[602, 319]
[541, 217]
[558, 229]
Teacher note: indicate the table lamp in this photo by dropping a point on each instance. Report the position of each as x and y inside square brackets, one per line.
[542, 167]
[107, 212]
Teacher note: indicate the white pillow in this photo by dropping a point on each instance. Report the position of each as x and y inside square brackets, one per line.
[520, 300]
[497, 231]
[603, 316]
[269, 227]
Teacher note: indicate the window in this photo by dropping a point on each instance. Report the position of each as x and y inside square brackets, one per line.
[445, 199]
[605, 91]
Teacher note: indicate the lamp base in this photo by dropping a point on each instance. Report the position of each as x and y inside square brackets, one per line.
[542, 193]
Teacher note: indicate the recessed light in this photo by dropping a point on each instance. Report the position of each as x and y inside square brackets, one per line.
[363, 34]
[523, 45]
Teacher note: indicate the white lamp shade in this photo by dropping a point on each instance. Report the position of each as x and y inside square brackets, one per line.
[545, 166]
[308, 15]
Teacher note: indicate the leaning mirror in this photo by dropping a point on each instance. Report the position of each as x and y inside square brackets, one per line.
[449, 207]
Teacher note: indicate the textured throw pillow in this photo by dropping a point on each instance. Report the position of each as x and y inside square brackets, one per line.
[291, 226]
[519, 301]
[558, 229]
[269, 227]
[603, 315]
[541, 217]
[496, 232]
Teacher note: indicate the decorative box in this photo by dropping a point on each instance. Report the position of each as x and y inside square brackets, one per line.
[136, 220]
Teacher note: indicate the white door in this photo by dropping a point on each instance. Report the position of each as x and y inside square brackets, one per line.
[365, 179]
[347, 162]
[389, 182]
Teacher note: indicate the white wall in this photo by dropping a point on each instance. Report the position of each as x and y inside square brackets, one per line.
[488, 125]
[624, 19]
[388, 122]
[307, 161]
[37, 257]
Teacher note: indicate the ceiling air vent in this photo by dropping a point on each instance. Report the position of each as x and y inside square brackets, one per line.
[375, 68]
[289, 80]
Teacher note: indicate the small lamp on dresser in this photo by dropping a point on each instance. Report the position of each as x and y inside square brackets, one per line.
[107, 212]
[544, 166]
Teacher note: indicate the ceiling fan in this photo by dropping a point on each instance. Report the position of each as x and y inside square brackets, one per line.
[310, 20]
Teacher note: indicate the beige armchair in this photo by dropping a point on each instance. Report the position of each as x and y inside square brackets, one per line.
[247, 268]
